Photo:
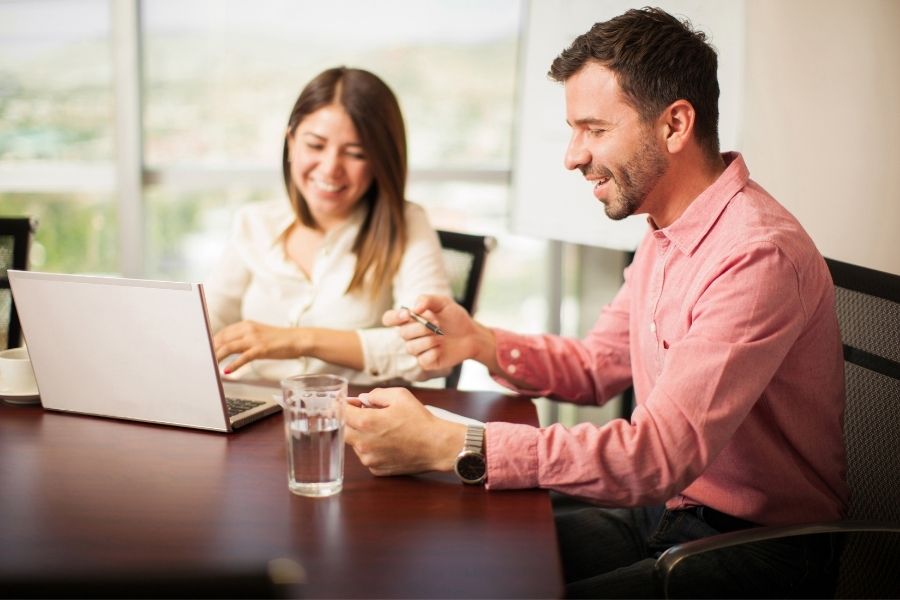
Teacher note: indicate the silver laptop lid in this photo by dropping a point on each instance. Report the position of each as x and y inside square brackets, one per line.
[123, 348]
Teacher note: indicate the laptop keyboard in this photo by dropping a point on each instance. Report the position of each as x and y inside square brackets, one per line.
[236, 406]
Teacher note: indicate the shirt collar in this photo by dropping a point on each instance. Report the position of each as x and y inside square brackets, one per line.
[692, 226]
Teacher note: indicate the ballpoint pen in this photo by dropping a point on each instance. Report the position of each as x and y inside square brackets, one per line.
[428, 324]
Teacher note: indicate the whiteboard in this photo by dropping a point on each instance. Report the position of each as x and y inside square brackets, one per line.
[547, 200]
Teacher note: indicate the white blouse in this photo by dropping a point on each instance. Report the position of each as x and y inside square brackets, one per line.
[255, 280]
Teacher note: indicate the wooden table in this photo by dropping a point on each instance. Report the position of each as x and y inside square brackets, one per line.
[82, 494]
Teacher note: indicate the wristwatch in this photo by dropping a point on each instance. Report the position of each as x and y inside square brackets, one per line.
[471, 465]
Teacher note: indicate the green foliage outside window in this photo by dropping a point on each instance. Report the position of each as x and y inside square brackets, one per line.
[76, 233]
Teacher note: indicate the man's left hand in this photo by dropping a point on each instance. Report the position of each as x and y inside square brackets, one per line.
[396, 434]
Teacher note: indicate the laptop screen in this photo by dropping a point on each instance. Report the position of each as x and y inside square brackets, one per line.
[123, 348]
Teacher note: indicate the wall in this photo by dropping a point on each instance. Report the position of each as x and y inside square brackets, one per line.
[821, 120]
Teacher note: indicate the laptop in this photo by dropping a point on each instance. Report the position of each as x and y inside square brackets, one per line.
[130, 349]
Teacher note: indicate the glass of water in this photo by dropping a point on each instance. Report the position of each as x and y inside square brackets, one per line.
[314, 430]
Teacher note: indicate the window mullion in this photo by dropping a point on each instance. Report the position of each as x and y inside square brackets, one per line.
[126, 48]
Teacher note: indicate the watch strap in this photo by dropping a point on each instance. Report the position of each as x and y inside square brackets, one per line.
[474, 439]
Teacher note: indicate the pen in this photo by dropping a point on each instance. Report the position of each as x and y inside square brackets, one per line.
[428, 324]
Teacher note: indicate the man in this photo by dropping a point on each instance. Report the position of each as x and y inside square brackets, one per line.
[725, 325]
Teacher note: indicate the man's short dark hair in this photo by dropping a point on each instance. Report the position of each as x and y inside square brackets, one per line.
[657, 60]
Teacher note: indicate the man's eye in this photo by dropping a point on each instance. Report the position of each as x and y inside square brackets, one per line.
[596, 132]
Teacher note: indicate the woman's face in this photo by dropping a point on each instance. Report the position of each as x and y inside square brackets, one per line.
[328, 164]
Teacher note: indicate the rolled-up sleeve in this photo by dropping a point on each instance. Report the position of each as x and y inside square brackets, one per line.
[385, 357]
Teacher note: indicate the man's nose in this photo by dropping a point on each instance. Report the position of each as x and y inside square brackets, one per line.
[576, 154]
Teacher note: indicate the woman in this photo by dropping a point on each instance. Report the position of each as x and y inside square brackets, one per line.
[301, 287]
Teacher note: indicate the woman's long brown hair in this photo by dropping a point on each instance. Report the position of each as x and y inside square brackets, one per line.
[375, 114]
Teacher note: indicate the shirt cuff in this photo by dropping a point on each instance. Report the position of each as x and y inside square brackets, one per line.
[511, 451]
[385, 356]
[520, 357]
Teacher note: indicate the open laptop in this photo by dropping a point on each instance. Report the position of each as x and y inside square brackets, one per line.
[130, 349]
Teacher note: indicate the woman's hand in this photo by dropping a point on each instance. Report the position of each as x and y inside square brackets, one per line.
[252, 340]
[463, 337]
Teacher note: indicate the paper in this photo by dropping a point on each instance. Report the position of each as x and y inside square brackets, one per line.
[451, 416]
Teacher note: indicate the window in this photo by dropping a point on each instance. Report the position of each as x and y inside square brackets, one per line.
[56, 130]
[217, 83]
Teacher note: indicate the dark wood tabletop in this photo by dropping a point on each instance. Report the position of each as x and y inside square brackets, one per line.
[86, 494]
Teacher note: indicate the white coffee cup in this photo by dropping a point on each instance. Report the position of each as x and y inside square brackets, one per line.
[16, 376]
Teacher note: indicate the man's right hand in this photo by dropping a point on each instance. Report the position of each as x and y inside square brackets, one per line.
[463, 337]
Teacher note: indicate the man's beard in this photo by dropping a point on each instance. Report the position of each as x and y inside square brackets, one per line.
[634, 181]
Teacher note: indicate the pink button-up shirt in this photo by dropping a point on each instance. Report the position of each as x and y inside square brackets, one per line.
[726, 327]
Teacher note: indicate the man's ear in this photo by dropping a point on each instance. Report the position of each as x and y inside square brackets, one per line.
[678, 125]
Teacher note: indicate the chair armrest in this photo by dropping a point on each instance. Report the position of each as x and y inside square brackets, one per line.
[670, 559]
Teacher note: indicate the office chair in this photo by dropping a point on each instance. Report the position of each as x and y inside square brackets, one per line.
[15, 242]
[626, 401]
[868, 309]
[464, 257]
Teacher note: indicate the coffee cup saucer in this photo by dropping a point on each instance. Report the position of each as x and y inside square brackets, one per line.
[29, 397]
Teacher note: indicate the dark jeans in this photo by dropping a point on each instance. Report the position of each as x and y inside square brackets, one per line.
[610, 553]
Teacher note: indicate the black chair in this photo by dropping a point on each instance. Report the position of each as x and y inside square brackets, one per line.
[626, 401]
[464, 258]
[868, 309]
[15, 242]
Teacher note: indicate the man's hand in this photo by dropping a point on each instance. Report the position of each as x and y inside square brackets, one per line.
[252, 340]
[397, 435]
[463, 337]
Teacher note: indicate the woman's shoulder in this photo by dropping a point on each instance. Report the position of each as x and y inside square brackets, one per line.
[410, 206]
[415, 214]
[419, 230]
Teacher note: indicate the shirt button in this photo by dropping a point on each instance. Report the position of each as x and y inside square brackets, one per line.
[374, 372]
[514, 353]
[652, 327]
[511, 369]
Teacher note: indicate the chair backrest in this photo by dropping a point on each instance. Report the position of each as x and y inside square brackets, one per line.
[868, 309]
[15, 242]
[464, 257]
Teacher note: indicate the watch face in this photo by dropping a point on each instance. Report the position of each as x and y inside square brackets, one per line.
[471, 467]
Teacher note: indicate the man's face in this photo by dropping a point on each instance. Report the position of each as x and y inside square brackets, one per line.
[610, 145]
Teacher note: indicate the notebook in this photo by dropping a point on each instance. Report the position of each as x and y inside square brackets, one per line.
[130, 349]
